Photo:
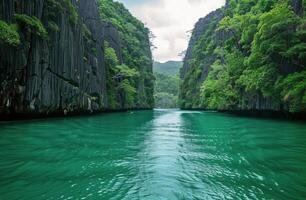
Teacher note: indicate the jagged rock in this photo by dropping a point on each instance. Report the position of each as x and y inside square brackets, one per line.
[58, 72]
[62, 73]
[197, 32]
[112, 37]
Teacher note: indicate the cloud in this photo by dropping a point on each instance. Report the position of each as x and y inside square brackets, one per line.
[195, 1]
[170, 21]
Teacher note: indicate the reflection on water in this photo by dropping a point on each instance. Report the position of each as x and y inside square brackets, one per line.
[161, 154]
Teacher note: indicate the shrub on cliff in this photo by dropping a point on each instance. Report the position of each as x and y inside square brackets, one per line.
[9, 34]
[32, 24]
[120, 80]
[64, 6]
[136, 52]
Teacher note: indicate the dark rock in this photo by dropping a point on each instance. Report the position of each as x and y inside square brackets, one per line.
[197, 32]
[297, 6]
[63, 73]
[112, 37]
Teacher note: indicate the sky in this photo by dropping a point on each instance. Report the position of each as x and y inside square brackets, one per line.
[171, 22]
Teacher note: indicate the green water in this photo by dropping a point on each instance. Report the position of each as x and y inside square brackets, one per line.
[161, 154]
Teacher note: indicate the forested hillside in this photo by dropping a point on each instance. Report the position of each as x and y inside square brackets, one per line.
[166, 91]
[167, 83]
[248, 55]
[72, 56]
[168, 68]
[133, 61]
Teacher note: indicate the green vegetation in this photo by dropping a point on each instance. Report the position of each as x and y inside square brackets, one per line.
[63, 6]
[86, 33]
[293, 90]
[53, 26]
[165, 100]
[167, 84]
[9, 34]
[111, 61]
[128, 93]
[44, 32]
[262, 59]
[31, 24]
[202, 51]
[120, 79]
[166, 91]
[71, 10]
[168, 68]
[136, 51]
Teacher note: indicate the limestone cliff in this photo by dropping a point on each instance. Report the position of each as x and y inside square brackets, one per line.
[247, 55]
[200, 28]
[57, 62]
[196, 63]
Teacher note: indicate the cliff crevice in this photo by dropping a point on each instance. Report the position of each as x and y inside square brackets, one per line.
[52, 56]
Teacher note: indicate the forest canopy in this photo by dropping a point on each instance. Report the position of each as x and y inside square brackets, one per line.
[260, 59]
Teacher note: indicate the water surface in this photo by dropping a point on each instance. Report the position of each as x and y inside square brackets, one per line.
[161, 154]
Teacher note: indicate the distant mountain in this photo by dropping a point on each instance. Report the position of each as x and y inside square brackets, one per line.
[167, 83]
[167, 68]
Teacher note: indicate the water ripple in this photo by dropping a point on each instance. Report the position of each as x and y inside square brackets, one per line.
[161, 154]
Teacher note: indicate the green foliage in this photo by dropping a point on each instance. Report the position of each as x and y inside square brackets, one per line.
[294, 91]
[9, 34]
[266, 42]
[119, 80]
[32, 24]
[128, 92]
[298, 50]
[273, 37]
[73, 14]
[53, 26]
[165, 100]
[54, 5]
[63, 6]
[111, 61]
[110, 56]
[135, 48]
[168, 84]
[166, 91]
[86, 33]
[259, 80]
[125, 71]
[216, 90]
[168, 68]
[94, 51]
[202, 52]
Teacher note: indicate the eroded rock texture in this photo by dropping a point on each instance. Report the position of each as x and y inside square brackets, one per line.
[63, 72]
[200, 27]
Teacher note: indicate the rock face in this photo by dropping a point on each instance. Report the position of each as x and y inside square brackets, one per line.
[192, 76]
[63, 72]
[297, 6]
[198, 30]
[201, 55]
[112, 36]
[200, 27]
